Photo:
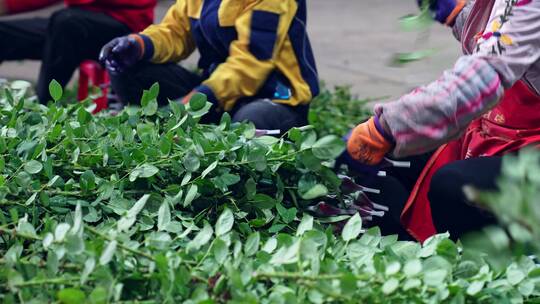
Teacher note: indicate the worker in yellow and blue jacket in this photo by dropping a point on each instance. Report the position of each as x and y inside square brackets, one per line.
[256, 59]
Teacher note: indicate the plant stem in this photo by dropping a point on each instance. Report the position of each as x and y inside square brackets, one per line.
[124, 247]
[297, 276]
[300, 276]
[54, 281]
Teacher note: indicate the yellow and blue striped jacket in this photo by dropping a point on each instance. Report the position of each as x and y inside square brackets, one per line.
[248, 48]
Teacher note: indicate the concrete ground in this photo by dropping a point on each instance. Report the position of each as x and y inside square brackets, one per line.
[354, 42]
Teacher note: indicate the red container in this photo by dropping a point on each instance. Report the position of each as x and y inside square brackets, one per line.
[91, 73]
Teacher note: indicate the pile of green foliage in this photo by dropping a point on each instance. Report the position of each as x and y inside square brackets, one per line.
[337, 111]
[150, 206]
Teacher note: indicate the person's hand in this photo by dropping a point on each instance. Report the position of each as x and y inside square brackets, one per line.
[369, 143]
[353, 165]
[122, 53]
[445, 11]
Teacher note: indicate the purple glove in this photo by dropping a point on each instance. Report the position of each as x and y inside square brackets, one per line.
[123, 52]
[445, 11]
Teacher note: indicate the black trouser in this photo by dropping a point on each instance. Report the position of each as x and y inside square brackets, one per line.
[176, 82]
[451, 211]
[61, 42]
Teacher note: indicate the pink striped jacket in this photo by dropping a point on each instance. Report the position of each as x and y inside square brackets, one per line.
[495, 57]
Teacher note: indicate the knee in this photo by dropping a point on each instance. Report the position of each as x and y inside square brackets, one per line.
[64, 23]
[267, 115]
[445, 190]
[256, 112]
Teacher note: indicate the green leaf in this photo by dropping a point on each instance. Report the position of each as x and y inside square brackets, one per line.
[83, 116]
[308, 140]
[88, 181]
[54, 181]
[251, 188]
[71, 296]
[191, 194]
[288, 215]
[127, 221]
[164, 216]
[220, 250]
[197, 101]
[412, 268]
[390, 286]
[276, 228]
[286, 254]
[149, 100]
[75, 155]
[225, 222]
[108, 253]
[55, 89]
[200, 113]
[191, 162]
[328, 147]
[534, 274]
[514, 275]
[165, 145]
[412, 283]
[475, 287]
[53, 262]
[186, 179]
[448, 249]
[74, 243]
[419, 22]
[209, 169]
[526, 288]
[89, 266]
[226, 180]
[201, 238]
[13, 253]
[48, 240]
[144, 171]
[348, 284]
[392, 268]
[305, 225]
[270, 245]
[435, 277]
[309, 188]
[154, 91]
[352, 228]
[98, 296]
[31, 199]
[252, 244]
[77, 220]
[61, 231]
[263, 201]
[314, 192]
[138, 206]
[33, 167]
[404, 58]
[25, 228]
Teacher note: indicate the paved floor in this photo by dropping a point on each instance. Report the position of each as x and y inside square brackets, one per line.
[354, 41]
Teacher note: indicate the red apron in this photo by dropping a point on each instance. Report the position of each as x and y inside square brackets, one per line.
[512, 125]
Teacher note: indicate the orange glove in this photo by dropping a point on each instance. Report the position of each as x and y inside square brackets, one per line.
[368, 143]
[187, 98]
